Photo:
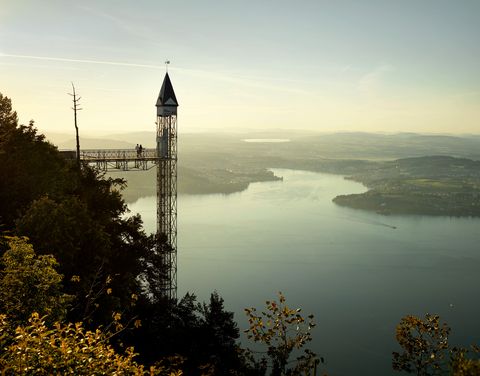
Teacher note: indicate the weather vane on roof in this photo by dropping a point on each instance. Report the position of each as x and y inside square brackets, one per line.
[167, 62]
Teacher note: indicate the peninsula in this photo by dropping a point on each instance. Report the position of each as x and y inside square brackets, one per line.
[435, 185]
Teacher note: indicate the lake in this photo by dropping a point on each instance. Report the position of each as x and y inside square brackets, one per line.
[357, 272]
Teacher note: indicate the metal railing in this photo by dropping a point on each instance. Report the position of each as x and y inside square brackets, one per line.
[93, 155]
[120, 159]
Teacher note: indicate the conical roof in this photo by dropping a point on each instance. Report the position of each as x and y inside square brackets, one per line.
[167, 95]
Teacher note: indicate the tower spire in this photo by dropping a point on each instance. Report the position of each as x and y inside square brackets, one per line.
[167, 101]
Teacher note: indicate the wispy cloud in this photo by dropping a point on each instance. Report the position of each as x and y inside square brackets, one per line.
[371, 83]
[257, 82]
[85, 61]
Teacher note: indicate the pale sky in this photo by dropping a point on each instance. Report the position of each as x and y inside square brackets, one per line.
[338, 65]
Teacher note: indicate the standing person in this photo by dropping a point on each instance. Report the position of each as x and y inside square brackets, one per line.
[137, 148]
[140, 149]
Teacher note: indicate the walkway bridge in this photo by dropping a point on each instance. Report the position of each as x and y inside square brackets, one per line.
[120, 159]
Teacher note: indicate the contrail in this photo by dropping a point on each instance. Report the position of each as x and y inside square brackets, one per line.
[249, 82]
[84, 61]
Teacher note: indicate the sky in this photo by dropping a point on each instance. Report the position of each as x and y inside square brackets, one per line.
[338, 65]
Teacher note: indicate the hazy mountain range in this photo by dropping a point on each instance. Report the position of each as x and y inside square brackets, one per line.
[348, 145]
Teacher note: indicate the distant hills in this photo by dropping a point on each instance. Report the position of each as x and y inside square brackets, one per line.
[385, 146]
[346, 145]
[406, 172]
[111, 141]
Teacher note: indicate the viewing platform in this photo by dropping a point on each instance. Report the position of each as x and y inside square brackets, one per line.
[117, 159]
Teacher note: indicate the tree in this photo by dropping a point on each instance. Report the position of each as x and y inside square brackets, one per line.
[426, 350]
[282, 330]
[8, 117]
[30, 283]
[65, 349]
[66, 229]
[220, 335]
[29, 166]
[204, 334]
[463, 365]
[424, 344]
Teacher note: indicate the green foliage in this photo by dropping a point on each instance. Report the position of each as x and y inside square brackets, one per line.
[204, 334]
[30, 283]
[462, 364]
[29, 166]
[424, 344]
[426, 349]
[221, 333]
[8, 117]
[36, 349]
[282, 330]
[66, 229]
[79, 217]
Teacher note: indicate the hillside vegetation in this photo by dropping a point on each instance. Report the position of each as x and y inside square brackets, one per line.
[434, 185]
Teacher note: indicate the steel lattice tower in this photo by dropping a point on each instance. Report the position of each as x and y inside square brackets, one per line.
[167, 186]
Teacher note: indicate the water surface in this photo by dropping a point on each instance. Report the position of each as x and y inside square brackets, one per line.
[357, 272]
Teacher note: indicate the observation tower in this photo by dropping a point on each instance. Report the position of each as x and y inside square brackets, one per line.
[164, 157]
[167, 186]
